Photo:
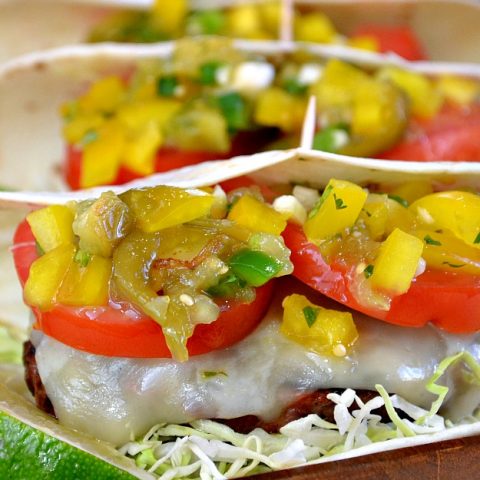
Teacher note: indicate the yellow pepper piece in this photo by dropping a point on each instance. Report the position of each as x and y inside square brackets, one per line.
[337, 209]
[459, 90]
[104, 96]
[364, 42]
[368, 109]
[314, 27]
[101, 158]
[456, 211]
[244, 21]
[338, 84]
[257, 216]
[398, 217]
[169, 16]
[411, 191]
[328, 332]
[444, 251]
[46, 276]
[75, 130]
[397, 262]
[375, 216]
[270, 14]
[139, 152]
[277, 108]
[52, 226]
[137, 115]
[86, 285]
[162, 207]
[425, 99]
[382, 215]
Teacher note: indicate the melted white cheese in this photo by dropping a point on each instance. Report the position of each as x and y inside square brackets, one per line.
[116, 399]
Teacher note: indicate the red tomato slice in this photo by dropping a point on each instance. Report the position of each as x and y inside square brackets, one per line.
[119, 330]
[399, 40]
[449, 300]
[453, 134]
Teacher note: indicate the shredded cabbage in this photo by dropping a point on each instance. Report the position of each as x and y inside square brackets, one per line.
[212, 451]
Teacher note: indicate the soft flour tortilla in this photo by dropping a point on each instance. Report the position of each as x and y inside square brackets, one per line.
[448, 29]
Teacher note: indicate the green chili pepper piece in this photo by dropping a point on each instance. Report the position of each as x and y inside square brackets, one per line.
[255, 268]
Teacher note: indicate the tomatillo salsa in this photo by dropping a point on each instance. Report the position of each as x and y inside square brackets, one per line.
[211, 101]
[155, 272]
[408, 257]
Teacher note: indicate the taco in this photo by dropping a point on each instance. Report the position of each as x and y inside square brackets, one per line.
[139, 120]
[400, 27]
[282, 371]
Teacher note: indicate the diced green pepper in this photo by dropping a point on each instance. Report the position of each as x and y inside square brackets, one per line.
[208, 73]
[206, 22]
[331, 139]
[166, 85]
[234, 109]
[255, 268]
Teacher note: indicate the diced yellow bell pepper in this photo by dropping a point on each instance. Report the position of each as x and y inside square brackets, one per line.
[138, 114]
[343, 76]
[75, 130]
[52, 226]
[170, 15]
[101, 158]
[375, 215]
[398, 217]
[364, 42]
[411, 191]
[270, 14]
[86, 285]
[382, 215]
[104, 96]
[337, 209]
[162, 207]
[396, 263]
[456, 211]
[425, 99]
[139, 152]
[444, 251]
[277, 108]
[328, 332]
[257, 216]
[314, 27]
[459, 90]
[46, 276]
[244, 21]
[368, 109]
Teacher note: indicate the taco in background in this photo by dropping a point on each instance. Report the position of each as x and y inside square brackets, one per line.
[143, 109]
[399, 27]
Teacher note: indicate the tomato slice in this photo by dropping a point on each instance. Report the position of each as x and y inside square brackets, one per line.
[119, 330]
[449, 300]
[399, 40]
[452, 135]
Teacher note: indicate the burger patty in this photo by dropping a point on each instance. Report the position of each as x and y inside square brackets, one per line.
[33, 380]
[314, 402]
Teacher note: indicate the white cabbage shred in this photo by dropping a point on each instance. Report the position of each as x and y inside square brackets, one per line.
[212, 451]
